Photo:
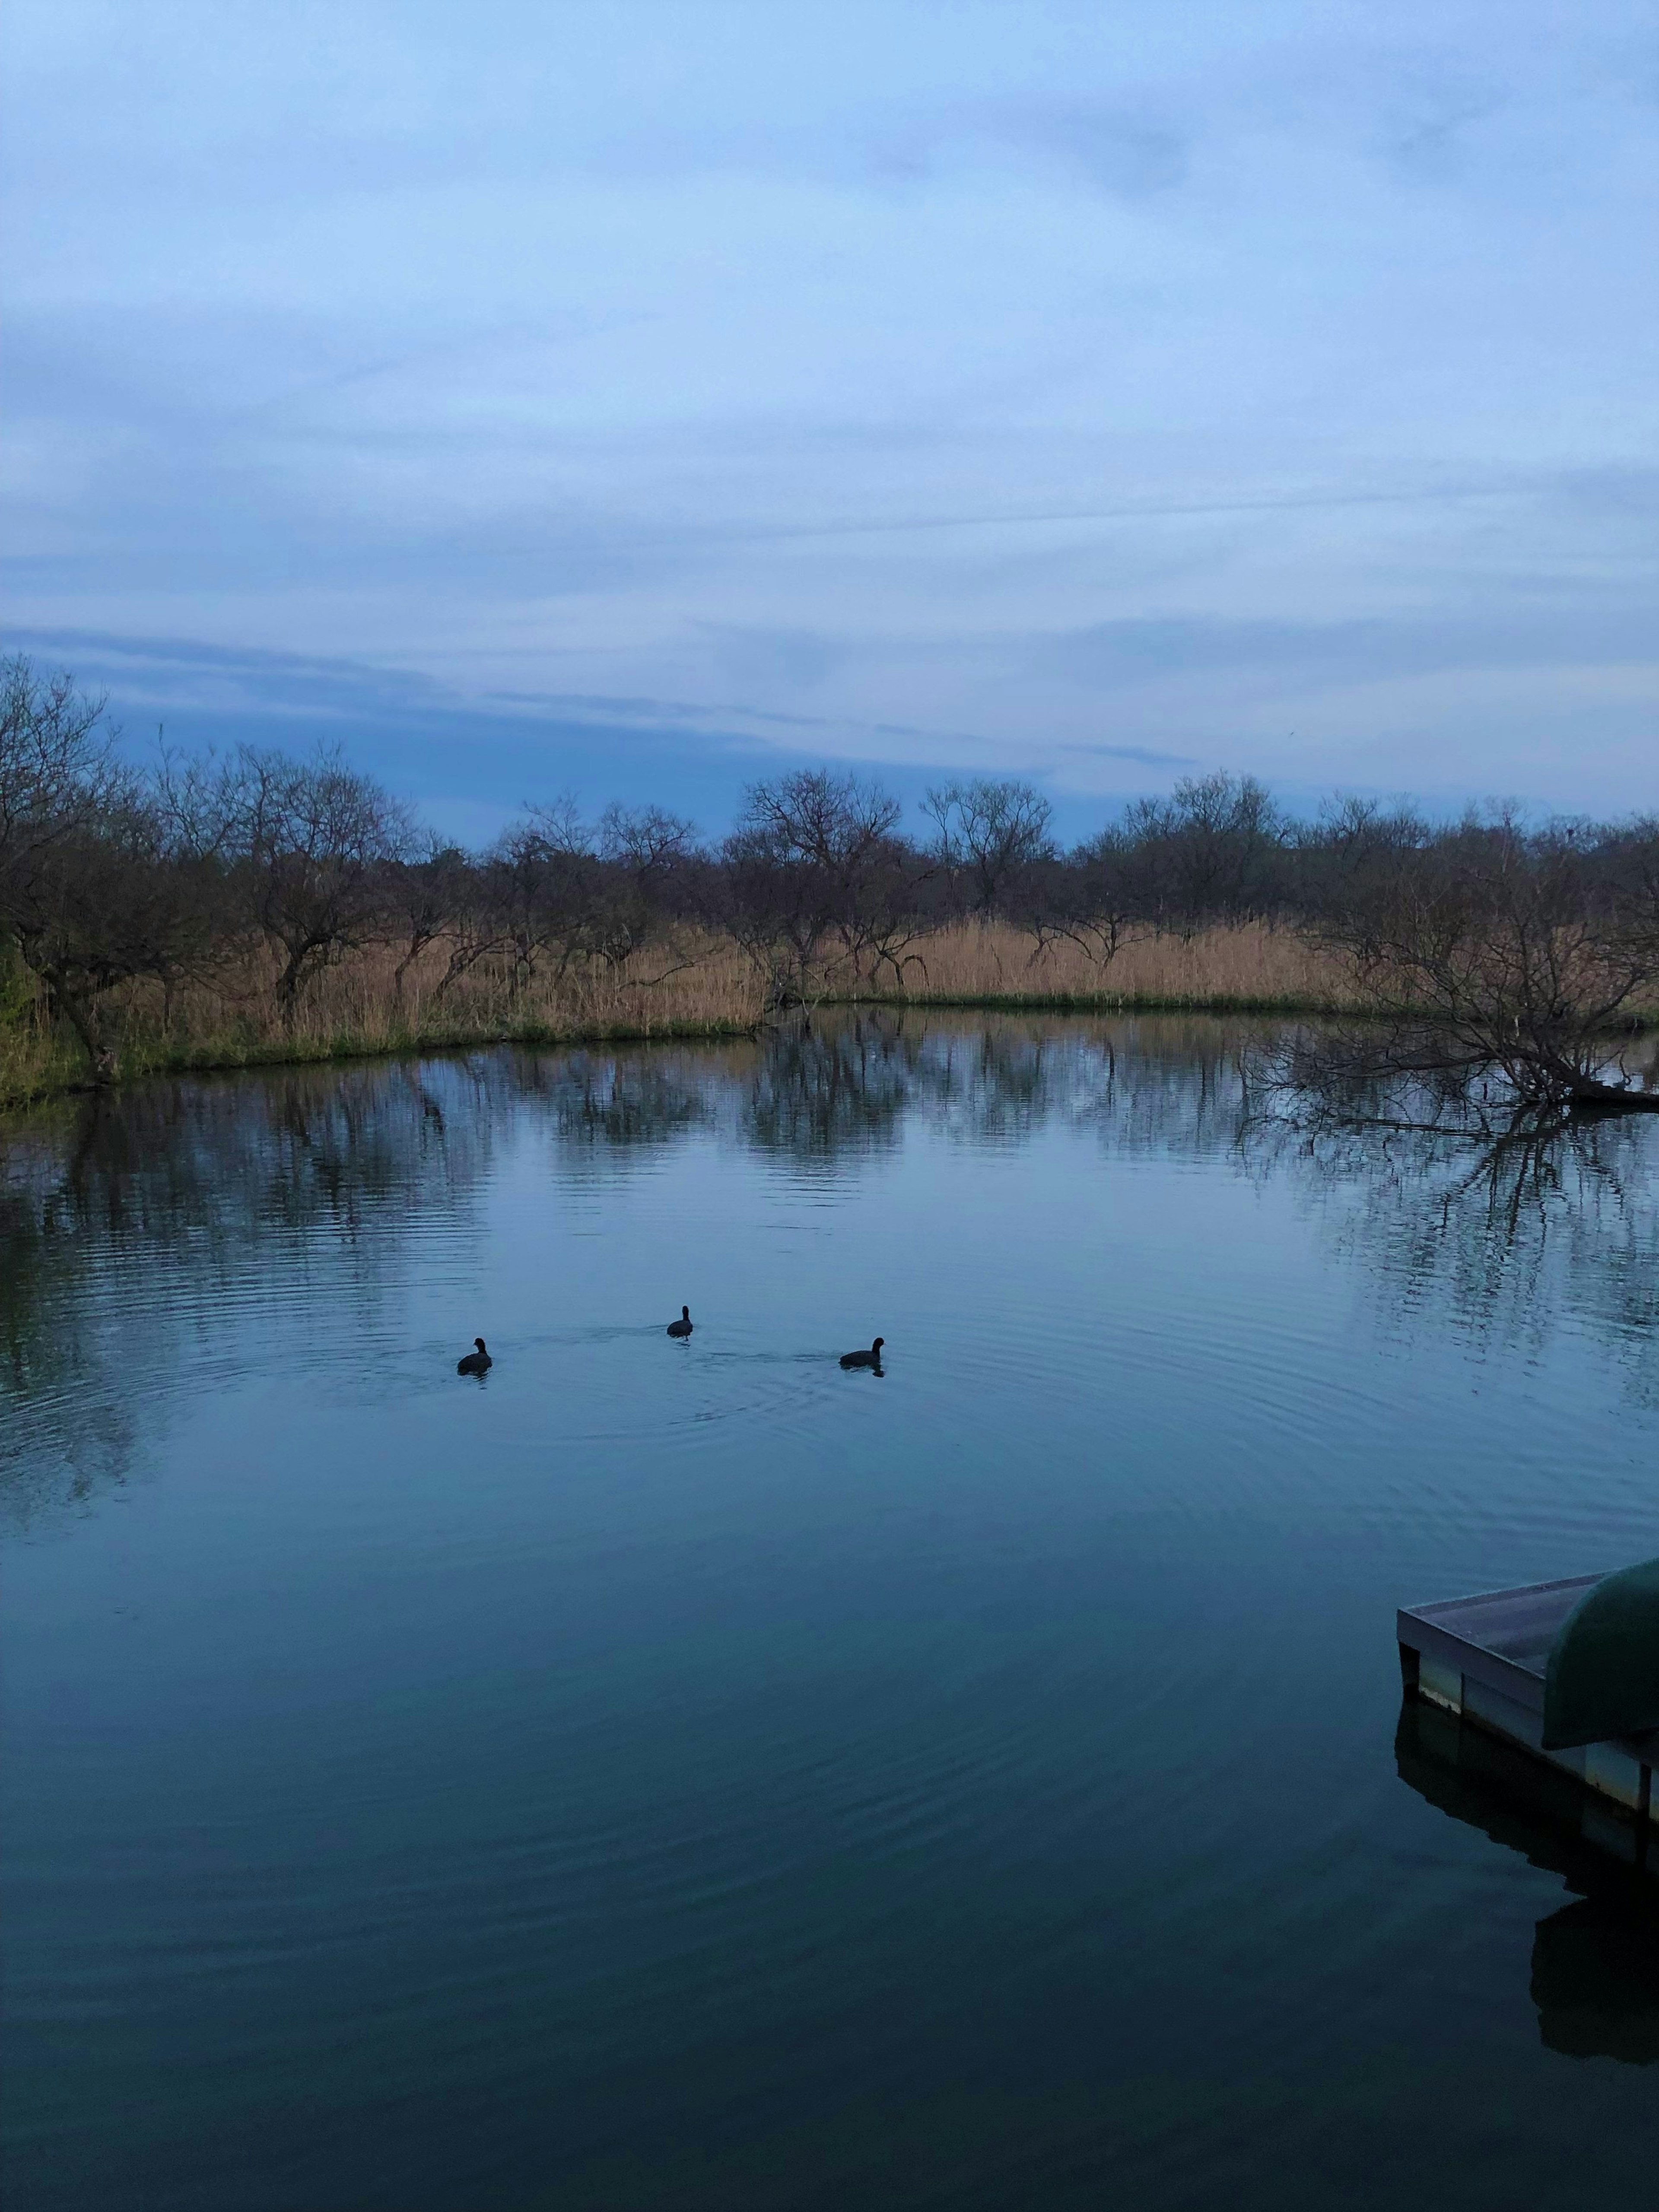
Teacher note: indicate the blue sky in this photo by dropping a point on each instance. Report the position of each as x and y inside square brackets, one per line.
[629, 397]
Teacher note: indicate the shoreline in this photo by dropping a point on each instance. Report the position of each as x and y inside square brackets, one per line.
[344, 1049]
[212, 1059]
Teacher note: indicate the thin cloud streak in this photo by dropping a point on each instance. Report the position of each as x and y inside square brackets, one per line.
[1092, 396]
[1136, 511]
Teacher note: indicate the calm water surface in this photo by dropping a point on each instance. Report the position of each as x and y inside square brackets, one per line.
[688, 1776]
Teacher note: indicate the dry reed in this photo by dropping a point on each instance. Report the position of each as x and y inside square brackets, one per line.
[1252, 967]
[701, 987]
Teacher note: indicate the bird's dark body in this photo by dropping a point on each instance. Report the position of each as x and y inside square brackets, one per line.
[871, 1358]
[683, 1325]
[475, 1363]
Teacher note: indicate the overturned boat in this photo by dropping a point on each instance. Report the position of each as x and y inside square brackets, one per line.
[1568, 1672]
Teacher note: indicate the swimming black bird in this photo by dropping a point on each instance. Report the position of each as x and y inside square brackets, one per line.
[475, 1363]
[871, 1358]
[683, 1325]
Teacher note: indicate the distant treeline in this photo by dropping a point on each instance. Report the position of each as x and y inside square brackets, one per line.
[258, 870]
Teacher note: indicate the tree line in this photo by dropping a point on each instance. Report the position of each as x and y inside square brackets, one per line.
[1487, 942]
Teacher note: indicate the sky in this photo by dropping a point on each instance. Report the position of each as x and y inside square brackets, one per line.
[635, 397]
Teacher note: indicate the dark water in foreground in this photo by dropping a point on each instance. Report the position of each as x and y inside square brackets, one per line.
[674, 1776]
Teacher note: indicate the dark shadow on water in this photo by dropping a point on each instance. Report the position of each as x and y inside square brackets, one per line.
[1595, 1974]
[1595, 1982]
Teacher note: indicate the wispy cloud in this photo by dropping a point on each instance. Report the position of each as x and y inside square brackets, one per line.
[1094, 392]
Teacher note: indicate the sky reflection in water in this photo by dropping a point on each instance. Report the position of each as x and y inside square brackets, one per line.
[690, 1775]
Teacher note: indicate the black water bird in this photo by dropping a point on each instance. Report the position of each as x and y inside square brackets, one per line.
[683, 1325]
[871, 1358]
[475, 1363]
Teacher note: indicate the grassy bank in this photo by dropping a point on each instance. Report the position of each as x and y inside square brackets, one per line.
[357, 1009]
[1252, 968]
[699, 988]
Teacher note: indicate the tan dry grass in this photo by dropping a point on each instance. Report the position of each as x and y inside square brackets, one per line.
[701, 988]
[1249, 967]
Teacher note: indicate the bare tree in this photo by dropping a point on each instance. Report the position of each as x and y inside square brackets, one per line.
[807, 880]
[1093, 899]
[1503, 968]
[1497, 954]
[990, 831]
[646, 856]
[901, 897]
[56, 770]
[81, 858]
[122, 899]
[1213, 851]
[426, 891]
[543, 879]
[477, 928]
[317, 841]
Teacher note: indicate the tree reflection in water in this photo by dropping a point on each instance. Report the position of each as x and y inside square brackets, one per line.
[1509, 1224]
[125, 1221]
[150, 1207]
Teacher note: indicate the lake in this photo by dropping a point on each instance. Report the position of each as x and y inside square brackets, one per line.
[671, 1775]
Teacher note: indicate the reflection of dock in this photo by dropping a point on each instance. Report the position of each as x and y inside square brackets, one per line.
[1485, 1660]
[1594, 1962]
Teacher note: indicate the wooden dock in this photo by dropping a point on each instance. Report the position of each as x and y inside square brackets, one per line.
[1485, 1658]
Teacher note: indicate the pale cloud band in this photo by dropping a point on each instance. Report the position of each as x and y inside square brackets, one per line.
[1094, 392]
